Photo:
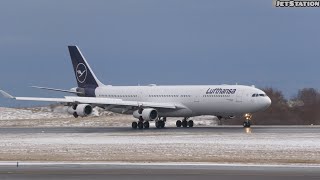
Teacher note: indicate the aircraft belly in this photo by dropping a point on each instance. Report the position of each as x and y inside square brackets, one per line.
[216, 108]
[161, 112]
[175, 113]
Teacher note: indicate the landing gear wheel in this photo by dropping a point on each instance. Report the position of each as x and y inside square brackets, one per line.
[163, 124]
[246, 124]
[184, 123]
[140, 125]
[178, 123]
[134, 125]
[75, 115]
[146, 125]
[160, 124]
[190, 123]
[157, 124]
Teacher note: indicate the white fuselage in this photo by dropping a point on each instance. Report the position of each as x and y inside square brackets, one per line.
[196, 100]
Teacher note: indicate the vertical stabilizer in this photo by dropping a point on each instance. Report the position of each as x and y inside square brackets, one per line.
[84, 74]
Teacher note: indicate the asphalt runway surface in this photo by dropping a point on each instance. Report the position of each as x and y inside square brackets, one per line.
[217, 129]
[155, 172]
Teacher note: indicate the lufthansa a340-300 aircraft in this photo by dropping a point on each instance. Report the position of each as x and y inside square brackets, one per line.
[155, 103]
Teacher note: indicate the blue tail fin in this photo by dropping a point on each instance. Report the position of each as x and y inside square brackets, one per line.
[84, 75]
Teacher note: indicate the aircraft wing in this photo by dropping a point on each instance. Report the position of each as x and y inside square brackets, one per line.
[96, 101]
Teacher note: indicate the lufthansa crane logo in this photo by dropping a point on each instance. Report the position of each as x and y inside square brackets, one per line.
[81, 72]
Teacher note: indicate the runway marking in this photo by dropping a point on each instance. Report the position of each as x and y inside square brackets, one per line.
[158, 172]
[31, 163]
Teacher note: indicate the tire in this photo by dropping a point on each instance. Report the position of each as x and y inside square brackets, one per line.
[184, 123]
[75, 115]
[163, 124]
[246, 124]
[140, 125]
[134, 125]
[146, 125]
[178, 123]
[190, 123]
[157, 124]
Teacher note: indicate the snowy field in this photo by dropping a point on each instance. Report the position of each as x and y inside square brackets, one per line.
[163, 146]
[209, 145]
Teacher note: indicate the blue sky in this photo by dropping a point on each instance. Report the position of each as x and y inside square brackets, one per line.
[163, 42]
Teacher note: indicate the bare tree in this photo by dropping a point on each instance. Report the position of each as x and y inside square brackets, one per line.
[308, 112]
[303, 109]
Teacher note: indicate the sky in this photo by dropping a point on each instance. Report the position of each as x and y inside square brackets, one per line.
[164, 42]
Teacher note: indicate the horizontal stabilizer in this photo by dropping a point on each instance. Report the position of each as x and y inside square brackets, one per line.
[59, 90]
[6, 95]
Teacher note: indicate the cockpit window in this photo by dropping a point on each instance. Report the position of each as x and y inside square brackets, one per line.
[257, 95]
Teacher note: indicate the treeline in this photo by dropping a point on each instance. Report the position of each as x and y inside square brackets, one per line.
[303, 109]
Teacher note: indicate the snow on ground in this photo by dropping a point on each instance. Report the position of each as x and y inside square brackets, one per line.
[58, 116]
[164, 146]
[29, 113]
[42, 112]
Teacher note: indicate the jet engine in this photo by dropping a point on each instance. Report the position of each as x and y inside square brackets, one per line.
[147, 114]
[81, 110]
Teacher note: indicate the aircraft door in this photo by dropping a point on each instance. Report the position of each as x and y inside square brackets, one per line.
[196, 99]
[239, 95]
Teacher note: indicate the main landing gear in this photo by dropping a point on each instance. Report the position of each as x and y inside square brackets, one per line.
[247, 122]
[140, 125]
[184, 123]
[160, 123]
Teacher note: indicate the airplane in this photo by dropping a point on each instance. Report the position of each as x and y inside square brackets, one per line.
[153, 102]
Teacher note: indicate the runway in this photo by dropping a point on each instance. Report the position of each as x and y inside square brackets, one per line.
[217, 129]
[155, 172]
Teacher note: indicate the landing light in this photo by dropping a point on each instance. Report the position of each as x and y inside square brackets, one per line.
[248, 116]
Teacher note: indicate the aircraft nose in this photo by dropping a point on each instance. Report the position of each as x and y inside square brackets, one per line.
[267, 102]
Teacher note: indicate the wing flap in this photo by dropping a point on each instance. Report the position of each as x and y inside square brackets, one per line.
[99, 101]
[96, 100]
[119, 102]
[63, 100]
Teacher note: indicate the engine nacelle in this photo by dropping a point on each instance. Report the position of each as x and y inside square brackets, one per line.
[147, 114]
[81, 110]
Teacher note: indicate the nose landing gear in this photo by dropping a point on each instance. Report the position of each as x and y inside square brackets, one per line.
[247, 122]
